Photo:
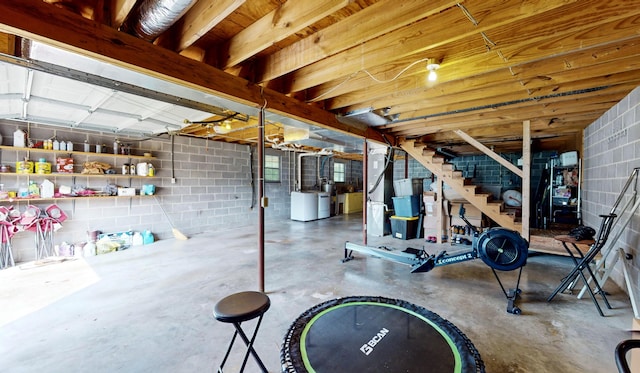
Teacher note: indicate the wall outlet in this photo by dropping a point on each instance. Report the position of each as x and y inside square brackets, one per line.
[173, 180]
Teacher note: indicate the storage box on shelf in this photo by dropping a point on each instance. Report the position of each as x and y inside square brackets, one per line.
[66, 167]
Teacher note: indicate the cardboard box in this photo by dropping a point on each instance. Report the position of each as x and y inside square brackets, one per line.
[126, 192]
[430, 207]
[430, 222]
[471, 212]
[476, 222]
[64, 165]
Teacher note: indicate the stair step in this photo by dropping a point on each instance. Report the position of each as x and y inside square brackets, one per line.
[419, 147]
[456, 180]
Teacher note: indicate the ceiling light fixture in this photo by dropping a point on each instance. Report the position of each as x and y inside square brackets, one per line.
[432, 66]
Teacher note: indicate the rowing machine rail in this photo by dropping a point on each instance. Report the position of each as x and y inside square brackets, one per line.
[499, 248]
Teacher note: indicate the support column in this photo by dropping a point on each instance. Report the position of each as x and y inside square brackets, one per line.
[526, 179]
[365, 160]
[262, 200]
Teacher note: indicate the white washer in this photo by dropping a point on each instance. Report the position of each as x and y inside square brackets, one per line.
[324, 205]
[304, 206]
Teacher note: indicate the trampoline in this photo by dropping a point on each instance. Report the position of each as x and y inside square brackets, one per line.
[375, 334]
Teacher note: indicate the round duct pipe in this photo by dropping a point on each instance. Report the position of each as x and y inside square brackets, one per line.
[153, 17]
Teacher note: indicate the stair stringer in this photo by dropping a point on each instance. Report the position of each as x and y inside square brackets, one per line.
[454, 179]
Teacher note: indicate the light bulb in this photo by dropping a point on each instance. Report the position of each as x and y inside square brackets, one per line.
[432, 66]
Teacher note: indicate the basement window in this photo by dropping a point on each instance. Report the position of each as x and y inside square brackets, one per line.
[338, 172]
[272, 168]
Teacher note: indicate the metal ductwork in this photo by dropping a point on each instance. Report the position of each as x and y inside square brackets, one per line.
[153, 17]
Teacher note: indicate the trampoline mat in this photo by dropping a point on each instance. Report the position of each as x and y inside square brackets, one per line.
[376, 334]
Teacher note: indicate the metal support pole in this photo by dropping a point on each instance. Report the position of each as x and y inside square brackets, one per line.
[365, 162]
[261, 199]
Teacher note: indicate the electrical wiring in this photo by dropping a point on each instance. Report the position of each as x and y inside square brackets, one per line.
[353, 75]
[397, 75]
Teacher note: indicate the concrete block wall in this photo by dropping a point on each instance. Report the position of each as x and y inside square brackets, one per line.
[312, 170]
[487, 170]
[279, 194]
[611, 152]
[213, 188]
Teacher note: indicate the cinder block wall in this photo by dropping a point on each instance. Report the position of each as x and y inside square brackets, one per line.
[313, 169]
[213, 188]
[483, 170]
[611, 152]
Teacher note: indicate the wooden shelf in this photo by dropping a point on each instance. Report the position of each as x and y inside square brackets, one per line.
[38, 150]
[75, 174]
[38, 199]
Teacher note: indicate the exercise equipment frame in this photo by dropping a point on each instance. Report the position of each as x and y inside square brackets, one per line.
[500, 248]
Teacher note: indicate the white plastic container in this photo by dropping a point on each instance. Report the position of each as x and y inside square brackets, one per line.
[46, 189]
[142, 169]
[19, 138]
[137, 239]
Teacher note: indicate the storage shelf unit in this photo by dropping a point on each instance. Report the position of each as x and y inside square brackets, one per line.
[565, 190]
[39, 150]
[72, 175]
[39, 199]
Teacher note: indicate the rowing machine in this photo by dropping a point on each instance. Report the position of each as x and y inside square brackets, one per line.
[499, 248]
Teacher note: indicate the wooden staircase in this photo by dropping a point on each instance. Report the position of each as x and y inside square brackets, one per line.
[455, 179]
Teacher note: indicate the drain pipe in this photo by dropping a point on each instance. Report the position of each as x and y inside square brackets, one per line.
[153, 17]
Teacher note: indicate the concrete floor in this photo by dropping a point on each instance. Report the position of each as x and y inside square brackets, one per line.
[148, 309]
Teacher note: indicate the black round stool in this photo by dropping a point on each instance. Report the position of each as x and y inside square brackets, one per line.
[237, 308]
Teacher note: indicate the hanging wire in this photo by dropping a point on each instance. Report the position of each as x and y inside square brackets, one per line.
[397, 75]
[487, 42]
[353, 75]
[466, 12]
[336, 87]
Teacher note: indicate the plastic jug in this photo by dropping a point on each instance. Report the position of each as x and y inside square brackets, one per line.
[142, 169]
[147, 237]
[46, 189]
[19, 138]
[137, 239]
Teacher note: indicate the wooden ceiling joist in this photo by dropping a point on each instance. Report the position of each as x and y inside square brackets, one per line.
[39, 21]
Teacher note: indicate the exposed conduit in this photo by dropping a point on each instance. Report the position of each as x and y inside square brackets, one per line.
[153, 17]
